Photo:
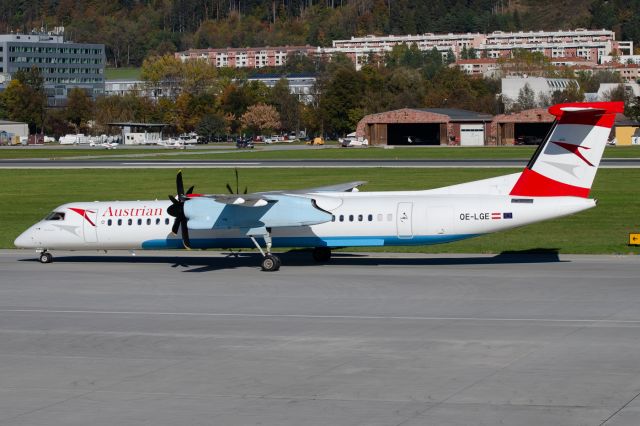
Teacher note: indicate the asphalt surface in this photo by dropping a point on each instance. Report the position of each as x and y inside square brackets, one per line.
[198, 338]
[128, 163]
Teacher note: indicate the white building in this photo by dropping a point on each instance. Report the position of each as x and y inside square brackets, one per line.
[541, 86]
[590, 45]
[301, 85]
[12, 131]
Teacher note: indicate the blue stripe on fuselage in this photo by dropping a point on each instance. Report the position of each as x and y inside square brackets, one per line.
[345, 241]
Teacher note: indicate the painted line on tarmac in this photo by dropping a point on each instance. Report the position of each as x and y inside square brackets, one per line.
[582, 321]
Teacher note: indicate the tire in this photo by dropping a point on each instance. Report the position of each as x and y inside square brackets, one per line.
[321, 254]
[45, 257]
[271, 263]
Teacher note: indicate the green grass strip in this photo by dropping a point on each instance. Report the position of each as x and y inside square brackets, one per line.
[28, 195]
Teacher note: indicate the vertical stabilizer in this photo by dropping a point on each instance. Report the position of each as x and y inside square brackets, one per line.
[567, 160]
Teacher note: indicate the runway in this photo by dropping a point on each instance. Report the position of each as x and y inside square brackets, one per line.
[172, 164]
[200, 338]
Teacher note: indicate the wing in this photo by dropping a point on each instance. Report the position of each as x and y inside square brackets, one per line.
[245, 200]
[261, 199]
[340, 187]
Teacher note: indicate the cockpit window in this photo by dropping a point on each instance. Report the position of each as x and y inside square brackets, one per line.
[55, 216]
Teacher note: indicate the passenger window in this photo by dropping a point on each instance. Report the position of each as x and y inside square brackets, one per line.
[139, 221]
[359, 218]
[350, 218]
[333, 218]
[166, 221]
[119, 222]
[109, 222]
[341, 218]
[129, 222]
[157, 221]
[148, 221]
[55, 216]
[370, 217]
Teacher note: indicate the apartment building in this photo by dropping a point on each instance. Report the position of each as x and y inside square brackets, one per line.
[590, 45]
[247, 57]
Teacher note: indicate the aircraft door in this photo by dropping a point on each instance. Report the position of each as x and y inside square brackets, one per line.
[89, 226]
[404, 220]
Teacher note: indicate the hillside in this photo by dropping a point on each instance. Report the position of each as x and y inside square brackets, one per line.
[134, 29]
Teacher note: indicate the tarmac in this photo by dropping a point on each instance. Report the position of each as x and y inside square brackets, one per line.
[206, 338]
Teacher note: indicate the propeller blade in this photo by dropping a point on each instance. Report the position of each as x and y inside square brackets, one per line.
[229, 189]
[190, 190]
[176, 225]
[237, 182]
[246, 188]
[185, 232]
[179, 184]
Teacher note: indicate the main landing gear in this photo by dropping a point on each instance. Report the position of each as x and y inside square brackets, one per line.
[270, 262]
[45, 257]
[321, 254]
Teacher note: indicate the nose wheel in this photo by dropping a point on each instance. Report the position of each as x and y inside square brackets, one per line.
[45, 257]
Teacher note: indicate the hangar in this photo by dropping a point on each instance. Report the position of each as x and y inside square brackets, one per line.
[527, 127]
[10, 130]
[427, 126]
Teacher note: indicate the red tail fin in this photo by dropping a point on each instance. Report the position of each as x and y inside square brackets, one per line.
[566, 162]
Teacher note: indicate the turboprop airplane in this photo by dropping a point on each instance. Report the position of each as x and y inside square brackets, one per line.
[555, 183]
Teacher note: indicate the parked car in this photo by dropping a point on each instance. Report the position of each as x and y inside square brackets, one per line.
[528, 140]
[244, 143]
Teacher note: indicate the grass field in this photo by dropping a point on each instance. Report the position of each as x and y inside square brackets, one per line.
[210, 152]
[122, 73]
[27, 195]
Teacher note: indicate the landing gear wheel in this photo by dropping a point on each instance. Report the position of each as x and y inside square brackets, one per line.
[270, 263]
[45, 257]
[321, 254]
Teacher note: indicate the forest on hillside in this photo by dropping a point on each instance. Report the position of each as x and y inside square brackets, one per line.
[133, 30]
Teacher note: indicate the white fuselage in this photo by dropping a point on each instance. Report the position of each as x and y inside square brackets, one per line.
[358, 219]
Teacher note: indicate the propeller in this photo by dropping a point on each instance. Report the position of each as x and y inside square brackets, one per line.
[246, 189]
[176, 209]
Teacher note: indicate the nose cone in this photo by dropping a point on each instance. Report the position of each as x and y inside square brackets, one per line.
[24, 240]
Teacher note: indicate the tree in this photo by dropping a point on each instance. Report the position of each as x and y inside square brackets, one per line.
[405, 89]
[211, 125]
[261, 119]
[173, 76]
[79, 107]
[618, 93]
[572, 93]
[24, 99]
[344, 92]
[526, 98]
[286, 104]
